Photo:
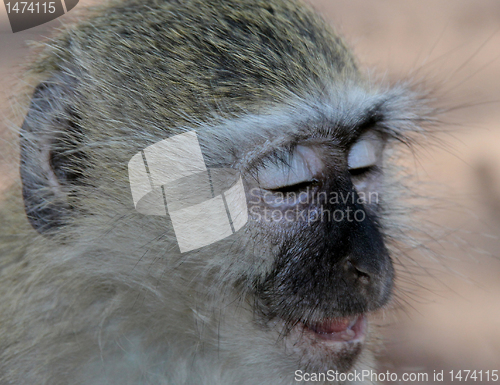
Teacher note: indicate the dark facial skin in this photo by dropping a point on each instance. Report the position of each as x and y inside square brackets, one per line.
[326, 267]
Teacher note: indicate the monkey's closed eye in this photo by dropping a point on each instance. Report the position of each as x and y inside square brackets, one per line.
[365, 154]
[296, 188]
[295, 173]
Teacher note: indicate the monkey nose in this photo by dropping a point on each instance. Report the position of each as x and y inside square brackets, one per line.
[357, 271]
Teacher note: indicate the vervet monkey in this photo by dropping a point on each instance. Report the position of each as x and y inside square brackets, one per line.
[94, 291]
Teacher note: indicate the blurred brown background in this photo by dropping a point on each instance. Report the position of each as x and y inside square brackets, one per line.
[453, 320]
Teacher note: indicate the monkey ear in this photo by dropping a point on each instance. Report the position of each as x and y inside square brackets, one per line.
[49, 141]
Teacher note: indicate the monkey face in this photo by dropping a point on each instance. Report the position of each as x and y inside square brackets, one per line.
[315, 202]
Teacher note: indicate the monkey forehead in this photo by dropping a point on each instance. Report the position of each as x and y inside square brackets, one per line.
[183, 58]
[336, 117]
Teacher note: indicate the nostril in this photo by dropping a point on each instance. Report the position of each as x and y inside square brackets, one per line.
[360, 274]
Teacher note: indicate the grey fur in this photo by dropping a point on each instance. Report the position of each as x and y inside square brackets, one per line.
[100, 294]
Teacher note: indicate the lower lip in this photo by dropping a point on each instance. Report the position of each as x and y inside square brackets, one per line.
[355, 332]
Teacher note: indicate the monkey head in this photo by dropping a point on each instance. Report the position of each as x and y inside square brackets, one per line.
[272, 93]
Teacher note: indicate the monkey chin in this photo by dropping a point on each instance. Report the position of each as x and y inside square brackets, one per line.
[328, 344]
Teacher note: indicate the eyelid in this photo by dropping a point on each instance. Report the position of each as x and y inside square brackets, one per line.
[303, 165]
[366, 151]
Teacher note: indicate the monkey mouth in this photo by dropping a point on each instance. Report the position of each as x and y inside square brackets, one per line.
[328, 343]
[345, 329]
